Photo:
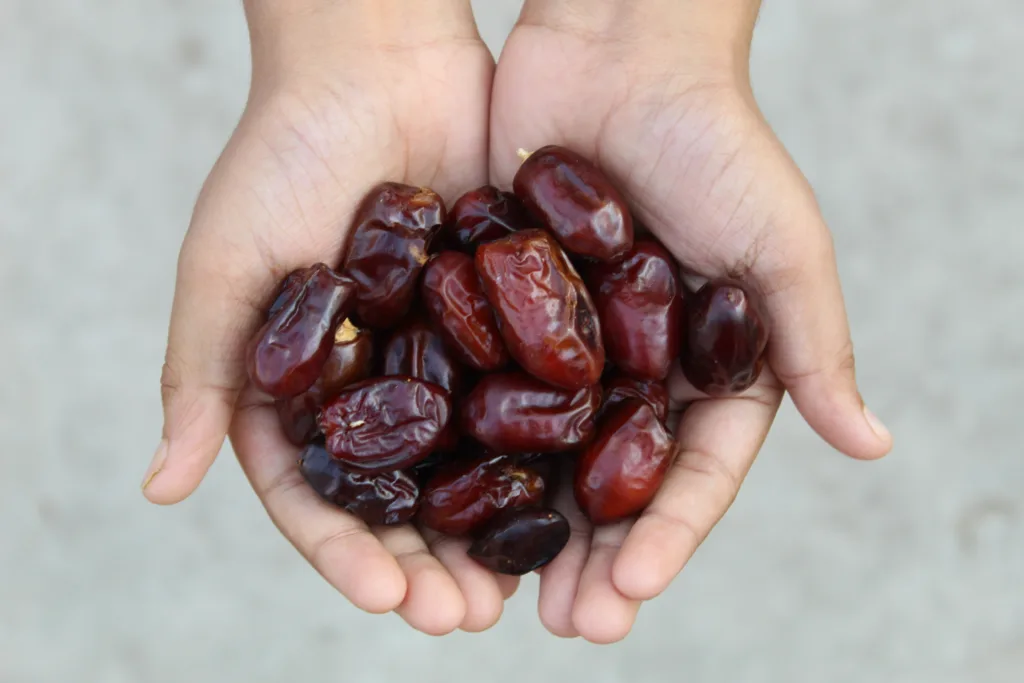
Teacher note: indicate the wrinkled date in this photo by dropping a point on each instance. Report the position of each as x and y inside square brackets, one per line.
[516, 413]
[544, 312]
[725, 338]
[392, 232]
[639, 301]
[386, 498]
[465, 495]
[619, 473]
[385, 424]
[520, 541]
[576, 202]
[482, 215]
[459, 309]
[619, 388]
[288, 354]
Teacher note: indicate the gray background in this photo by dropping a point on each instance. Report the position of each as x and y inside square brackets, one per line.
[908, 118]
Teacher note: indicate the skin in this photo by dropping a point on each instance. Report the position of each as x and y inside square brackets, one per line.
[348, 94]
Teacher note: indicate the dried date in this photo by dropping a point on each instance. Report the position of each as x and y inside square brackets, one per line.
[521, 541]
[482, 215]
[619, 388]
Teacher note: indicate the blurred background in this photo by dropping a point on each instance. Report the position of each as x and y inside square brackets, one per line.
[908, 118]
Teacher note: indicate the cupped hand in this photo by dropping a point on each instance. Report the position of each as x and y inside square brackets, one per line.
[344, 95]
[657, 94]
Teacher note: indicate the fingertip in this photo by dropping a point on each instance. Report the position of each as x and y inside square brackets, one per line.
[376, 584]
[433, 603]
[556, 619]
[604, 619]
[382, 590]
[171, 478]
[648, 561]
[508, 585]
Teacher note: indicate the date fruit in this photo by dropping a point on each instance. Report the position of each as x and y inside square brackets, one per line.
[573, 199]
[385, 498]
[464, 495]
[520, 541]
[516, 413]
[640, 303]
[482, 215]
[384, 424]
[393, 229]
[461, 312]
[619, 388]
[288, 354]
[417, 351]
[618, 474]
[724, 339]
[544, 312]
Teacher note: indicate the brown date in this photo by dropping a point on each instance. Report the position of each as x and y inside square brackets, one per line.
[516, 413]
[482, 215]
[298, 415]
[464, 495]
[385, 498]
[640, 303]
[572, 198]
[384, 424]
[393, 228]
[619, 388]
[618, 474]
[461, 312]
[520, 541]
[724, 339]
[288, 354]
[544, 312]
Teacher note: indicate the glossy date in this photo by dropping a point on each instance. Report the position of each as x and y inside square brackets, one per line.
[640, 303]
[620, 472]
[619, 388]
[724, 338]
[573, 199]
[544, 312]
[386, 423]
[482, 215]
[393, 229]
[520, 541]
[516, 413]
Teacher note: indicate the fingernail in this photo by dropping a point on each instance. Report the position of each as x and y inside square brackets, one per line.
[158, 464]
[876, 425]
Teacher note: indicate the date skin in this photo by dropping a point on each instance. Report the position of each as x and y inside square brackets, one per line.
[482, 215]
[288, 354]
[640, 303]
[384, 424]
[620, 472]
[465, 495]
[619, 388]
[391, 235]
[516, 413]
[725, 338]
[520, 541]
[544, 312]
[385, 498]
[573, 199]
[460, 311]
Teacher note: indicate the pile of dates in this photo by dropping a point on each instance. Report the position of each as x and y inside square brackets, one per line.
[462, 358]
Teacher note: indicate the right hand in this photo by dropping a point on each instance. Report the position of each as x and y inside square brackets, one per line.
[342, 97]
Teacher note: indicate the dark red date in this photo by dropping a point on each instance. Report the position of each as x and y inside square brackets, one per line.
[544, 312]
[288, 354]
[724, 339]
[298, 415]
[640, 303]
[461, 312]
[619, 388]
[385, 498]
[392, 232]
[620, 472]
[520, 541]
[465, 495]
[573, 199]
[384, 424]
[516, 413]
[417, 351]
[482, 215]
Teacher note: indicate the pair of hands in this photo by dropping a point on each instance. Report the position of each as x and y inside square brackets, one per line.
[656, 92]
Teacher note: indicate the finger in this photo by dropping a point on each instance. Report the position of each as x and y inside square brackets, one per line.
[602, 614]
[718, 441]
[508, 585]
[433, 602]
[559, 580]
[338, 545]
[479, 586]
